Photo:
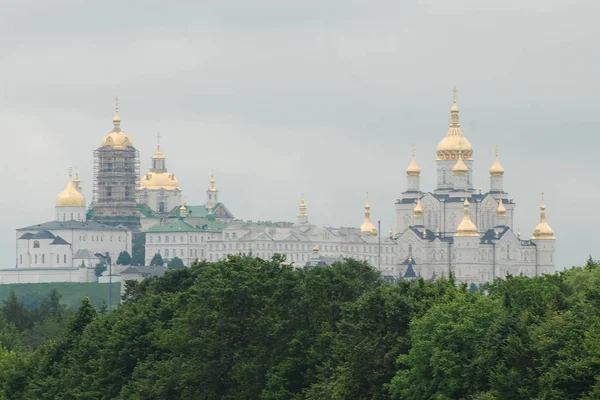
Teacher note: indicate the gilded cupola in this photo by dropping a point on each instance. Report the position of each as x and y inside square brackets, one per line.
[367, 226]
[496, 169]
[455, 141]
[211, 186]
[418, 210]
[501, 210]
[70, 197]
[302, 209]
[460, 168]
[117, 139]
[466, 226]
[543, 230]
[413, 169]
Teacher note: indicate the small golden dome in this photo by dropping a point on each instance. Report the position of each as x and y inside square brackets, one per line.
[302, 208]
[212, 187]
[158, 154]
[367, 226]
[316, 248]
[460, 168]
[496, 169]
[159, 180]
[70, 197]
[117, 139]
[466, 226]
[182, 209]
[501, 211]
[454, 141]
[413, 169]
[418, 210]
[543, 230]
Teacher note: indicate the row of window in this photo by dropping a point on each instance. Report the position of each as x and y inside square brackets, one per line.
[43, 259]
[298, 247]
[98, 238]
[300, 257]
[173, 253]
[173, 239]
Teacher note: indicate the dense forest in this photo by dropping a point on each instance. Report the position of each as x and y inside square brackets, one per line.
[246, 328]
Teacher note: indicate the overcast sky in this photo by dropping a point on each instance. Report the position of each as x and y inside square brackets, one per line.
[321, 97]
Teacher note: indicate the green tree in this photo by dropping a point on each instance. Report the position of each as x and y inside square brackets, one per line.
[175, 263]
[124, 258]
[16, 313]
[99, 269]
[157, 260]
[138, 249]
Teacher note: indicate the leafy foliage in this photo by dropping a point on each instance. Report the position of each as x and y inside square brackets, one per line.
[157, 260]
[246, 328]
[175, 263]
[124, 258]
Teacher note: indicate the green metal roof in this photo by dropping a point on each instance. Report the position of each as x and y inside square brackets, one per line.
[176, 226]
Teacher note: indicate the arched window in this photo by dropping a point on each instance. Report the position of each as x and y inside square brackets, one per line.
[410, 249]
[21, 259]
[36, 258]
[161, 207]
[43, 258]
[36, 245]
[444, 176]
[65, 258]
[508, 251]
[58, 258]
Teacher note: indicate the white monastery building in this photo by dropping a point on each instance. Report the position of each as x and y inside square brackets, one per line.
[452, 229]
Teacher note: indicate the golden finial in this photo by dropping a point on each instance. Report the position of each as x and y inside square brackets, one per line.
[519, 233]
[501, 211]
[158, 142]
[496, 169]
[302, 211]
[391, 232]
[418, 210]
[70, 172]
[454, 94]
[466, 226]
[116, 118]
[543, 230]
[460, 168]
[212, 181]
[413, 169]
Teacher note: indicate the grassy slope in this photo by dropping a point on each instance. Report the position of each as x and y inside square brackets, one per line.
[32, 293]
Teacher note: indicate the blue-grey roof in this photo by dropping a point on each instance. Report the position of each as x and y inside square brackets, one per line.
[145, 270]
[59, 240]
[79, 225]
[43, 235]
[26, 235]
[448, 199]
[410, 272]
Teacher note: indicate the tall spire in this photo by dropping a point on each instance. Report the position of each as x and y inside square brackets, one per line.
[501, 211]
[418, 210]
[211, 186]
[496, 169]
[460, 168]
[302, 208]
[466, 226]
[413, 169]
[367, 226]
[543, 230]
[455, 140]
[454, 121]
[116, 118]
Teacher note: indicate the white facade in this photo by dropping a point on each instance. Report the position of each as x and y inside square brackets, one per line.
[37, 245]
[429, 238]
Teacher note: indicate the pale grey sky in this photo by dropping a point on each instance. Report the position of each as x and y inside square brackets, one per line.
[321, 97]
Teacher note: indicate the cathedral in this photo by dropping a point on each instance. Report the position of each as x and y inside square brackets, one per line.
[453, 229]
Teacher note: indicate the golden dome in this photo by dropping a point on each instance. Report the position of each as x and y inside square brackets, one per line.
[70, 197]
[367, 226]
[413, 169]
[501, 211]
[496, 169]
[418, 210]
[159, 180]
[182, 209]
[212, 187]
[460, 168]
[158, 154]
[466, 226]
[454, 141]
[302, 208]
[543, 230]
[117, 139]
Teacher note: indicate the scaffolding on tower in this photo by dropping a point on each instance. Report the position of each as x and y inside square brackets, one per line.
[115, 187]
